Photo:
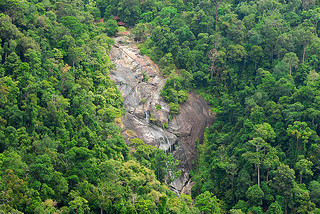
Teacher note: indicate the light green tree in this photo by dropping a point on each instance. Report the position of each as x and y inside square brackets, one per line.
[274, 208]
[303, 166]
[290, 60]
[301, 133]
[111, 27]
[79, 204]
[283, 182]
[208, 203]
[257, 155]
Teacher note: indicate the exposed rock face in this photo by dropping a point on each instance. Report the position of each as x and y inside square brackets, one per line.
[144, 120]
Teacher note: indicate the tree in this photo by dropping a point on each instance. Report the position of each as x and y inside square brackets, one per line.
[271, 28]
[256, 54]
[293, 113]
[48, 206]
[274, 208]
[139, 32]
[216, 4]
[232, 169]
[73, 24]
[199, 23]
[315, 18]
[144, 206]
[236, 53]
[290, 60]
[271, 161]
[14, 191]
[162, 204]
[107, 195]
[174, 108]
[255, 195]
[79, 204]
[8, 30]
[283, 181]
[214, 56]
[301, 199]
[75, 55]
[304, 37]
[257, 156]
[111, 27]
[285, 43]
[236, 211]
[314, 188]
[301, 132]
[208, 203]
[303, 166]
[265, 131]
[12, 63]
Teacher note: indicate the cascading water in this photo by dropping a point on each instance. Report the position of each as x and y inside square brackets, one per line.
[147, 116]
[144, 118]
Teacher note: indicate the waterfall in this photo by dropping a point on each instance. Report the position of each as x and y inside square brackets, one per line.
[145, 119]
[147, 116]
[164, 143]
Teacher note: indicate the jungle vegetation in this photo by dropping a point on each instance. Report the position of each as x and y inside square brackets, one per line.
[255, 62]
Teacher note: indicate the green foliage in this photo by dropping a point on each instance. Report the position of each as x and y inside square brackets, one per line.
[274, 208]
[162, 204]
[256, 63]
[152, 118]
[165, 125]
[236, 211]
[303, 166]
[236, 53]
[139, 32]
[314, 188]
[145, 77]
[61, 150]
[255, 195]
[208, 203]
[122, 29]
[111, 27]
[79, 204]
[174, 109]
[164, 165]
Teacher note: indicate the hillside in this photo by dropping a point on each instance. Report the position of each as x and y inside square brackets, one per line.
[255, 62]
[60, 141]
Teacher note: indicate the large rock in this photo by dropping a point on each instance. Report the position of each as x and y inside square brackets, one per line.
[144, 120]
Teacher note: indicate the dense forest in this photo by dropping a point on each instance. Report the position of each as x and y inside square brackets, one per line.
[60, 145]
[255, 62]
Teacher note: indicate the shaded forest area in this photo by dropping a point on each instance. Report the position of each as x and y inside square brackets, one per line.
[255, 62]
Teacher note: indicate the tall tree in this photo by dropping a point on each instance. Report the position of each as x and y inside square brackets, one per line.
[291, 61]
[256, 157]
[303, 166]
[256, 54]
[304, 38]
[301, 133]
[283, 182]
[216, 5]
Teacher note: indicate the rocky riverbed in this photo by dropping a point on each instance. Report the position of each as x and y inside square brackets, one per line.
[144, 118]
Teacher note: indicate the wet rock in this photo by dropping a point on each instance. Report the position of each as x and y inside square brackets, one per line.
[144, 120]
